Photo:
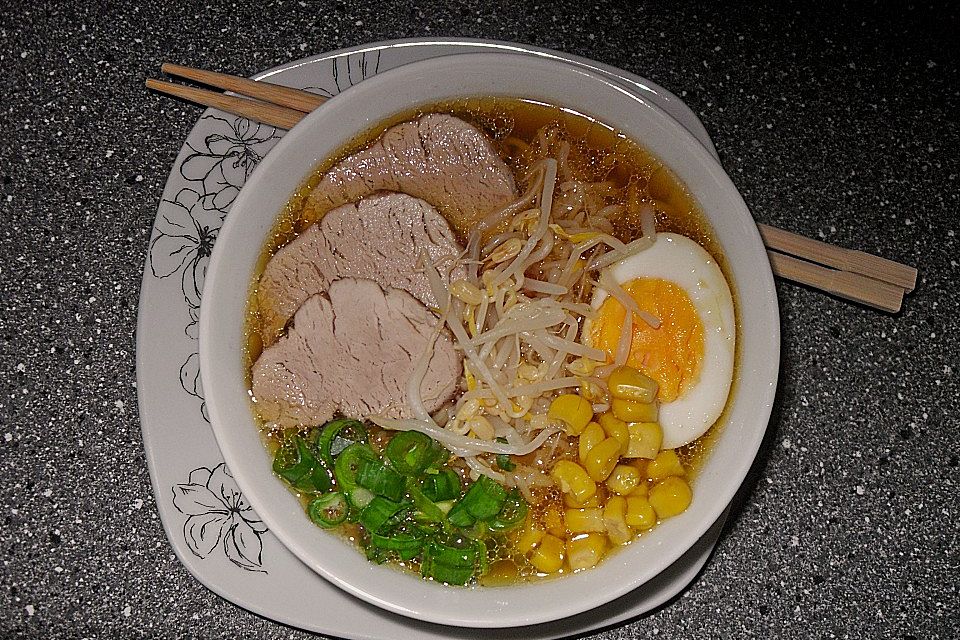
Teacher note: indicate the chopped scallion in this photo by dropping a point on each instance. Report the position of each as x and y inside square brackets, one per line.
[378, 512]
[297, 465]
[337, 435]
[329, 510]
[484, 498]
[512, 514]
[380, 479]
[444, 485]
[425, 507]
[347, 465]
[412, 453]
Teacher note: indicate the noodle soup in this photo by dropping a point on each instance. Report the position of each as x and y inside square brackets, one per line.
[595, 333]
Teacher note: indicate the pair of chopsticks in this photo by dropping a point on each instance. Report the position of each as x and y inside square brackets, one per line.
[272, 104]
[845, 273]
[853, 275]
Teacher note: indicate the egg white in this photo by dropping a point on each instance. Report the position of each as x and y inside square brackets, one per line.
[682, 261]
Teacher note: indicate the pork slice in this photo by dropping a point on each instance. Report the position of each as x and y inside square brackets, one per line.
[442, 159]
[351, 351]
[380, 238]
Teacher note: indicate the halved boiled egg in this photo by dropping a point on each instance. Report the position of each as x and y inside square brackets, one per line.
[691, 353]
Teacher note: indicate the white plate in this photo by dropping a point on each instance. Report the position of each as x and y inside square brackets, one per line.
[213, 530]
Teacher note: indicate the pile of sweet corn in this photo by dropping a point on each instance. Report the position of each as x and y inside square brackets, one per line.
[621, 485]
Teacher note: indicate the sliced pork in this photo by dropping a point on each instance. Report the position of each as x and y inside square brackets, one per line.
[380, 238]
[442, 159]
[352, 351]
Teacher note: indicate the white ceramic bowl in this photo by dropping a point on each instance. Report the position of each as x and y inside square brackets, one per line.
[326, 130]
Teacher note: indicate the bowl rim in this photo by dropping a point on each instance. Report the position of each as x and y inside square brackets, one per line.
[360, 580]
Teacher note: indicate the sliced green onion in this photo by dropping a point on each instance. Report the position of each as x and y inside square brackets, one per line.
[337, 435]
[378, 512]
[412, 453]
[451, 575]
[444, 485]
[406, 500]
[454, 556]
[452, 563]
[426, 507]
[320, 477]
[459, 516]
[290, 464]
[397, 542]
[513, 513]
[348, 464]
[380, 479]
[286, 453]
[484, 498]
[429, 529]
[329, 510]
[300, 468]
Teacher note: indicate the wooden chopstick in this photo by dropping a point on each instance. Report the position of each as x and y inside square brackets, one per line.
[846, 273]
[274, 115]
[843, 284]
[266, 91]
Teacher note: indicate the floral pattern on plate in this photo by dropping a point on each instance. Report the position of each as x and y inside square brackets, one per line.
[218, 516]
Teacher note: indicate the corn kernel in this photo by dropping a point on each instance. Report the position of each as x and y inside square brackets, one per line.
[592, 436]
[573, 479]
[553, 520]
[613, 518]
[666, 464]
[641, 489]
[630, 411]
[531, 536]
[584, 520]
[645, 440]
[549, 555]
[571, 502]
[640, 513]
[626, 383]
[573, 410]
[585, 551]
[602, 458]
[614, 427]
[670, 496]
[623, 479]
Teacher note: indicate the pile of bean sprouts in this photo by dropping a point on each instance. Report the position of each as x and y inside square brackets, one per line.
[516, 317]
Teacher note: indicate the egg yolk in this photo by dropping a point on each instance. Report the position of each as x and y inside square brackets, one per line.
[670, 354]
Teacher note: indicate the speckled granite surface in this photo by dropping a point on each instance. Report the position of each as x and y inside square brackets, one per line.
[840, 124]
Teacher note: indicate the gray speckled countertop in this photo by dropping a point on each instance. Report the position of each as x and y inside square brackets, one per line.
[840, 124]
